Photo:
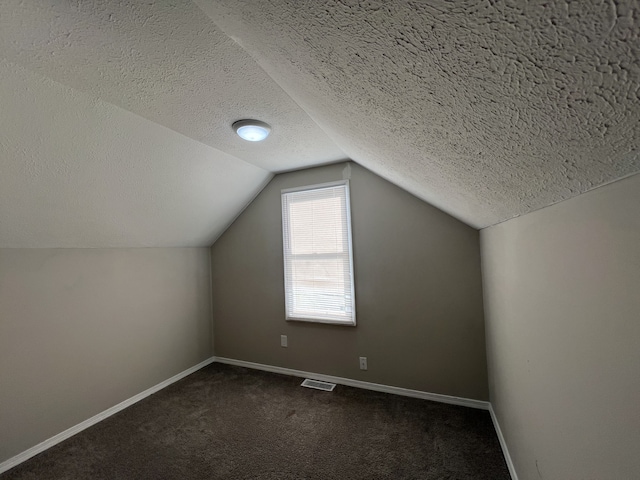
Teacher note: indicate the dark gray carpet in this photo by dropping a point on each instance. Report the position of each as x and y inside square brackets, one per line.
[226, 422]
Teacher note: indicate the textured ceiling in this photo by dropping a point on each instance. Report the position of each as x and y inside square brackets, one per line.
[487, 110]
[115, 126]
[169, 63]
[77, 169]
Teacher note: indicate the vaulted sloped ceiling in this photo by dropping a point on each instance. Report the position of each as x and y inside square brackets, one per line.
[115, 115]
[79, 172]
[486, 109]
[115, 126]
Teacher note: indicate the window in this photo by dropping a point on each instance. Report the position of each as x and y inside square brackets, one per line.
[318, 263]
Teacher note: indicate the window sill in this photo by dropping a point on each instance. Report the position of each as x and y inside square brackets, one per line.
[322, 320]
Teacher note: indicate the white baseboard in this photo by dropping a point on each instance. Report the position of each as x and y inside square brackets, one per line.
[503, 444]
[466, 402]
[436, 397]
[41, 447]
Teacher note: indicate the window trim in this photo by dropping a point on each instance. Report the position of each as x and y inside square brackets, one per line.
[320, 186]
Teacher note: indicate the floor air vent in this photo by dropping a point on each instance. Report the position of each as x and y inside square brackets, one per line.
[318, 385]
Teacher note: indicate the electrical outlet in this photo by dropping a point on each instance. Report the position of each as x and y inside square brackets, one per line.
[363, 363]
[283, 341]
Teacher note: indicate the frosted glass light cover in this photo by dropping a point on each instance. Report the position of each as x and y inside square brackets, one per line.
[252, 130]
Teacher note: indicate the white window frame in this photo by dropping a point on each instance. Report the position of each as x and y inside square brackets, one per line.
[291, 316]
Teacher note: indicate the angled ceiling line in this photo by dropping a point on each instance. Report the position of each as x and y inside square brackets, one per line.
[201, 5]
[168, 64]
[267, 68]
[90, 94]
[487, 112]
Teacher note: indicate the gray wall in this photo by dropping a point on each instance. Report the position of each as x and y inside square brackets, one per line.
[562, 299]
[418, 292]
[84, 329]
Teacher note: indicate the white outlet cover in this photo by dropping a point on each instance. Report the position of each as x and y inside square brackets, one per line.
[363, 363]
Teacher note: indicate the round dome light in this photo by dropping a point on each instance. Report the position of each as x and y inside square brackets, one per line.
[252, 130]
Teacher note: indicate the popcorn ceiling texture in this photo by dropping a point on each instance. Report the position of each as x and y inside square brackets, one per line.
[488, 110]
[115, 127]
[78, 172]
[167, 62]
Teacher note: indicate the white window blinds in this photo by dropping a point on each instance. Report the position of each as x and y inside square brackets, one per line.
[318, 265]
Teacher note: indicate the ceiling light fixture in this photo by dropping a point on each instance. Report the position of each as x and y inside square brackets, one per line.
[252, 130]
